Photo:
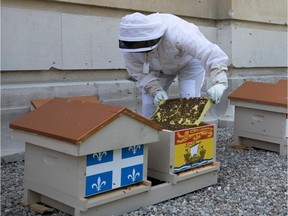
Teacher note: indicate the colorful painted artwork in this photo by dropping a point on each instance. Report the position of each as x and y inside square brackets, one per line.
[193, 148]
[113, 169]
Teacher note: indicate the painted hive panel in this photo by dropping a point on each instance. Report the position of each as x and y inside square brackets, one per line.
[113, 169]
[193, 147]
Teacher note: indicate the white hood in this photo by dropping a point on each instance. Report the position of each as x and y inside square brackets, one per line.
[139, 27]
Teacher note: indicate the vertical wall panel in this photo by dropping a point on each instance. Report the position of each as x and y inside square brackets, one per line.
[252, 47]
[31, 40]
[90, 42]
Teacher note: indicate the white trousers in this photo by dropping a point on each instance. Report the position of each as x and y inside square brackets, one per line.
[190, 78]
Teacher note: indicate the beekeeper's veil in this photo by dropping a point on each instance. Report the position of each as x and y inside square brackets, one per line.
[140, 33]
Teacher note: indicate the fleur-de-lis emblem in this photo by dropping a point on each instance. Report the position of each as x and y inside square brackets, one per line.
[133, 175]
[134, 148]
[99, 155]
[99, 184]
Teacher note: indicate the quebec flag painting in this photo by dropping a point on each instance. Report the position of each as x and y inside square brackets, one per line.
[113, 169]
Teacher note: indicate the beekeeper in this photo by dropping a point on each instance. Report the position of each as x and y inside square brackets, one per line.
[158, 47]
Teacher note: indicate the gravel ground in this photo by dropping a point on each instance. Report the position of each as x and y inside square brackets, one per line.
[251, 182]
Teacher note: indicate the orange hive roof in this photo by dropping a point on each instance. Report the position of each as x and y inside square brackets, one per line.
[37, 103]
[262, 93]
[72, 121]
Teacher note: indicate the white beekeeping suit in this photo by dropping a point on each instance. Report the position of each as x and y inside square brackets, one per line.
[158, 47]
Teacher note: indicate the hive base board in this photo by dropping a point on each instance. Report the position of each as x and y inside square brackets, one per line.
[158, 193]
[260, 141]
[174, 178]
[34, 193]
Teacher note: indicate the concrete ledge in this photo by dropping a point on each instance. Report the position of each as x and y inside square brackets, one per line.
[271, 12]
[266, 11]
[204, 8]
[16, 100]
[13, 157]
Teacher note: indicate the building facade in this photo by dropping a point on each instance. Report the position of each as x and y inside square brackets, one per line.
[64, 48]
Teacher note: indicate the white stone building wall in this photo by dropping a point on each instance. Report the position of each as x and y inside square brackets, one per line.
[70, 48]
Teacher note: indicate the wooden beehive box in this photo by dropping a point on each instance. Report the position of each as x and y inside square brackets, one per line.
[261, 115]
[191, 146]
[77, 149]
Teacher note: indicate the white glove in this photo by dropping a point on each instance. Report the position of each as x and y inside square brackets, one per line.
[220, 83]
[159, 96]
[154, 88]
[216, 92]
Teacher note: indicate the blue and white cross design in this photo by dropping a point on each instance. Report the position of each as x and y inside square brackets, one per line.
[113, 169]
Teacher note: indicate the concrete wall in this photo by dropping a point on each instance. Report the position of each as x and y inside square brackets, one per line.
[70, 48]
[254, 35]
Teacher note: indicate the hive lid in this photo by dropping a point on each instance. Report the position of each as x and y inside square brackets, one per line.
[181, 113]
[263, 93]
[39, 102]
[73, 121]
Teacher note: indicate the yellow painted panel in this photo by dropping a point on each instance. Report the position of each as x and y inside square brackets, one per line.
[193, 147]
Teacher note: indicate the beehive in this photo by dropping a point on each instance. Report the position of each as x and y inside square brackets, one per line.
[185, 143]
[261, 115]
[76, 149]
[72, 141]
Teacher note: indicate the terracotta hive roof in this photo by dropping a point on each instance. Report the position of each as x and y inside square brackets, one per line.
[37, 103]
[73, 121]
[263, 93]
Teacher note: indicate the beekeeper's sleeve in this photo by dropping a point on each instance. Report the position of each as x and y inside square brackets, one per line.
[192, 42]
